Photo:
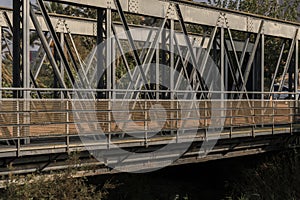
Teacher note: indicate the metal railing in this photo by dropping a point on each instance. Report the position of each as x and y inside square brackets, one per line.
[60, 116]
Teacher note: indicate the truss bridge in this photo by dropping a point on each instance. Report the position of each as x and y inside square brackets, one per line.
[133, 85]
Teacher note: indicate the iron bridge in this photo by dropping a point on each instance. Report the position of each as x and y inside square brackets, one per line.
[144, 74]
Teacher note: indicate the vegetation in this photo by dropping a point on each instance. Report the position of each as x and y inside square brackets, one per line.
[285, 10]
[274, 177]
[56, 185]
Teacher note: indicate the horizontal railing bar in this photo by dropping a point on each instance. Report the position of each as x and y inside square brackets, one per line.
[132, 90]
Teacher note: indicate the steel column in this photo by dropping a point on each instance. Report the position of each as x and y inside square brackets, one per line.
[100, 50]
[62, 71]
[163, 60]
[26, 65]
[262, 72]
[172, 59]
[16, 46]
[26, 47]
[1, 86]
[157, 52]
[222, 66]
[109, 50]
[296, 74]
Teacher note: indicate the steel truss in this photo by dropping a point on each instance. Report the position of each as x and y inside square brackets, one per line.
[187, 37]
[222, 21]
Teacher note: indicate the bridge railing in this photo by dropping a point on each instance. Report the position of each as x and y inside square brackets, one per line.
[63, 117]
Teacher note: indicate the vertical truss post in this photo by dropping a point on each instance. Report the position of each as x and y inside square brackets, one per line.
[26, 63]
[296, 74]
[172, 58]
[16, 46]
[226, 74]
[172, 74]
[262, 71]
[26, 47]
[109, 50]
[222, 70]
[55, 83]
[157, 72]
[290, 79]
[100, 59]
[62, 71]
[262, 75]
[164, 60]
[1, 62]
[113, 68]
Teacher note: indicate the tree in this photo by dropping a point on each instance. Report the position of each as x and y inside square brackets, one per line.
[285, 9]
[282, 9]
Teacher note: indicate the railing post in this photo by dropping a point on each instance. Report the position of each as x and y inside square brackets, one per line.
[205, 119]
[231, 119]
[18, 134]
[273, 113]
[146, 123]
[109, 123]
[177, 118]
[18, 147]
[67, 126]
[291, 111]
[252, 110]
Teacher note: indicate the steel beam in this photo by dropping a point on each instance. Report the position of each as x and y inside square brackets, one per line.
[88, 27]
[200, 14]
[78, 25]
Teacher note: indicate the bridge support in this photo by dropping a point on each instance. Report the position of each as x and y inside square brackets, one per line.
[16, 46]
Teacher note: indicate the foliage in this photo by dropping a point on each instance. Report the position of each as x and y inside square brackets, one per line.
[285, 10]
[277, 177]
[62, 186]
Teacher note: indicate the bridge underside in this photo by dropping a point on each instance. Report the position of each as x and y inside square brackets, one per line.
[109, 79]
